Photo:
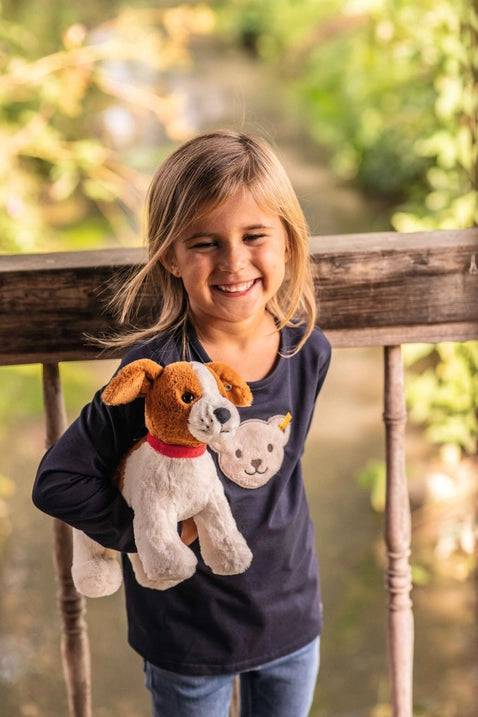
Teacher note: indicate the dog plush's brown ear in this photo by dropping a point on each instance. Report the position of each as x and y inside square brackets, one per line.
[132, 381]
[230, 384]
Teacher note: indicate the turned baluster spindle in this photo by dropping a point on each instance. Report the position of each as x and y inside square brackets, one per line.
[74, 638]
[397, 538]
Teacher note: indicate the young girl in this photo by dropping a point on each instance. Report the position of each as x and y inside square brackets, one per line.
[229, 265]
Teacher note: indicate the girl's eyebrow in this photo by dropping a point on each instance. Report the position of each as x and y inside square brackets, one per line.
[254, 227]
[210, 235]
[199, 235]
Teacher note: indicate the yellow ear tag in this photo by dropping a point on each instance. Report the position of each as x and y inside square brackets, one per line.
[285, 422]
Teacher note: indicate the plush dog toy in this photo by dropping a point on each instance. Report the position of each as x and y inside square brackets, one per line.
[169, 476]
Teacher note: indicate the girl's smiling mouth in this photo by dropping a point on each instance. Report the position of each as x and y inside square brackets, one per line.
[239, 288]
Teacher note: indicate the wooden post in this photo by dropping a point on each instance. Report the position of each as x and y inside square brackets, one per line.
[235, 708]
[74, 639]
[398, 538]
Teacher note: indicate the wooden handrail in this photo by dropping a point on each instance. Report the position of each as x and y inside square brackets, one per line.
[380, 289]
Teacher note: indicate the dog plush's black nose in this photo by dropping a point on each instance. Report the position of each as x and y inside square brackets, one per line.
[222, 415]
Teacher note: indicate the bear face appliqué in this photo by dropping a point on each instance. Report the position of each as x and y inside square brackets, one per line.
[256, 452]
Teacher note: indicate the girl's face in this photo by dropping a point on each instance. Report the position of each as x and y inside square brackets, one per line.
[231, 261]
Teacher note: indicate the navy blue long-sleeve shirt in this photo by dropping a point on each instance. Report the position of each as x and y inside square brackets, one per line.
[209, 624]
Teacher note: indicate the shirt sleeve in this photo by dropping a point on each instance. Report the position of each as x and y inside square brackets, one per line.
[74, 479]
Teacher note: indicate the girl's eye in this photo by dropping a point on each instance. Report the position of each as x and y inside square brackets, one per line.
[204, 245]
[188, 397]
[253, 237]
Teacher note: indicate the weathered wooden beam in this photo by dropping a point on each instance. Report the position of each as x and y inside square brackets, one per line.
[389, 288]
[372, 289]
[49, 303]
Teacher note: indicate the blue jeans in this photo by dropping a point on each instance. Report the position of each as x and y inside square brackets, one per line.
[281, 688]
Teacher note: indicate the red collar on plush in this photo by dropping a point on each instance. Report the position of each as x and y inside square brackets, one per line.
[172, 451]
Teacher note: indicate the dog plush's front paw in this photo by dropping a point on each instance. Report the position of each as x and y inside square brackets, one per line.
[241, 559]
[236, 561]
[97, 577]
[229, 557]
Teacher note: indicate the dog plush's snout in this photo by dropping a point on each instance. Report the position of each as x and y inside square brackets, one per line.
[222, 414]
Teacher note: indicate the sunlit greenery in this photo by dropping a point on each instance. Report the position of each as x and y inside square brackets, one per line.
[443, 392]
[389, 86]
[74, 100]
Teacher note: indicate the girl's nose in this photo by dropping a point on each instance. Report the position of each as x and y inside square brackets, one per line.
[233, 258]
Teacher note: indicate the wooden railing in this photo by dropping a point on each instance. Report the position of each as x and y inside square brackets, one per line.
[380, 289]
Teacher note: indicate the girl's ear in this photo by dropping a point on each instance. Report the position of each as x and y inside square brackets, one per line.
[169, 263]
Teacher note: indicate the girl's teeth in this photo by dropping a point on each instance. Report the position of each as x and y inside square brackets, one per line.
[236, 288]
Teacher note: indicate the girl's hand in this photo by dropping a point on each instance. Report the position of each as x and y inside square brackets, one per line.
[189, 531]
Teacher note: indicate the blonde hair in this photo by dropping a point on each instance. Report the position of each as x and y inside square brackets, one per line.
[197, 177]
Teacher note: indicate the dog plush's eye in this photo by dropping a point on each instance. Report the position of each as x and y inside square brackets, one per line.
[228, 386]
[188, 397]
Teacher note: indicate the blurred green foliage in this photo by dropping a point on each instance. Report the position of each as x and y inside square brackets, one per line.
[389, 86]
[21, 395]
[442, 392]
[70, 90]
[373, 479]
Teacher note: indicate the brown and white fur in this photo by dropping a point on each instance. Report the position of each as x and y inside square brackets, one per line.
[187, 405]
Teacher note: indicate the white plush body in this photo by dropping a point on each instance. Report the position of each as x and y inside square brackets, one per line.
[162, 491]
[175, 489]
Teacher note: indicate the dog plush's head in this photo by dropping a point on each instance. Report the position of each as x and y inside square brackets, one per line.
[186, 403]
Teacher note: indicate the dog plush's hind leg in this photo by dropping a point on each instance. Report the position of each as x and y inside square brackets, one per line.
[162, 553]
[95, 570]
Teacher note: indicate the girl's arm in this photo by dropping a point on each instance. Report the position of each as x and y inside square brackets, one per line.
[74, 483]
